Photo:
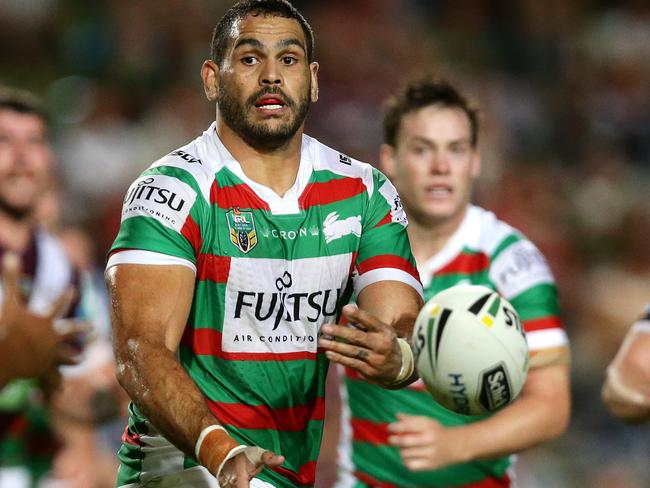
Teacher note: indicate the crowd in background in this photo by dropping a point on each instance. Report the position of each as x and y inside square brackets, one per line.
[565, 92]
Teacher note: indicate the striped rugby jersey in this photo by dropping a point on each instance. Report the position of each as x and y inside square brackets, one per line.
[483, 251]
[270, 271]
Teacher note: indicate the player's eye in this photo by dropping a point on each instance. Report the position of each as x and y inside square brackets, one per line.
[249, 60]
[288, 60]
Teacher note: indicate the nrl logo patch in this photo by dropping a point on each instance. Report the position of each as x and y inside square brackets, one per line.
[242, 229]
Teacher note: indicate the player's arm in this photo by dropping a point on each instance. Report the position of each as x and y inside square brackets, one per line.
[149, 309]
[626, 391]
[540, 413]
[376, 346]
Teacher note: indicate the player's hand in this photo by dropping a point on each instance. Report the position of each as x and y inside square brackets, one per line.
[26, 332]
[370, 346]
[623, 400]
[425, 444]
[238, 471]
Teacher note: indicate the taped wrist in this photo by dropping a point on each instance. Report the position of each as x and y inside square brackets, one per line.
[408, 363]
[214, 447]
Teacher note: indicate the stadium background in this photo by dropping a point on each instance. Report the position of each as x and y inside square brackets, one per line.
[565, 91]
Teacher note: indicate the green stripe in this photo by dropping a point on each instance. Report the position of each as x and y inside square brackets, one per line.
[505, 243]
[536, 302]
[494, 308]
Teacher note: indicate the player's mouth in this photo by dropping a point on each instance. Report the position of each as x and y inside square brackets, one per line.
[270, 104]
[438, 191]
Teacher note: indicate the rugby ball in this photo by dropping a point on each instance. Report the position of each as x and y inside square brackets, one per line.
[470, 350]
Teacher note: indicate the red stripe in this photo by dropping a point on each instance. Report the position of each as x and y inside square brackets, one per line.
[290, 419]
[236, 196]
[208, 342]
[489, 482]
[353, 374]
[213, 268]
[466, 263]
[306, 475]
[322, 193]
[370, 481]
[192, 233]
[542, 324]
[388, 261]
[372, 432]
[130, 438]
[387, 219]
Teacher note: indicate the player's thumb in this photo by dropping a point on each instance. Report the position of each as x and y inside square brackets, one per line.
[269, 458]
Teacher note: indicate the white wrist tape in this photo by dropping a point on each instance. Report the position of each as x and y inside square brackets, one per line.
[408, 363]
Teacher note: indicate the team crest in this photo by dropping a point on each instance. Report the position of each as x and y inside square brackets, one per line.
[242, 229]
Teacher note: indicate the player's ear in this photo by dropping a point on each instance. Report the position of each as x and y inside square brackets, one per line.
[210, 77]
[313, 73]
[387, 160]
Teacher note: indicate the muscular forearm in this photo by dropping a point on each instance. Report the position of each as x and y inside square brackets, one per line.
[164, 393]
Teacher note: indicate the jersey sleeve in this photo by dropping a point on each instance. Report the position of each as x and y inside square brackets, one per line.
[161, 215]
[384, 249]
[522, 275]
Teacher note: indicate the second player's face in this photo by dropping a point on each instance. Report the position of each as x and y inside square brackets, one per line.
[266, 82]
[434, 164]
[25, 160]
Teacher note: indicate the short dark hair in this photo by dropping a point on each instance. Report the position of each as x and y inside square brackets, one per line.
[280, 8]
[22, 101]
[421, 93]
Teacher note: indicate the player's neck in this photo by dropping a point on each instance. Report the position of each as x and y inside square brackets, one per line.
[276, 169]
[428, 239]
[15, 234]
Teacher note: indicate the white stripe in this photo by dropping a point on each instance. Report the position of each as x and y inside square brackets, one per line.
[385, 274]
[136, 256]
[546, 339]
[346, 468]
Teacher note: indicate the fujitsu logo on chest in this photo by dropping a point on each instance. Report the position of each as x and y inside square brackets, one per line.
[287, 305]
[146, 190]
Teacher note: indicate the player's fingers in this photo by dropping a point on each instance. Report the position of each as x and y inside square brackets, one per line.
[241, 470]
[353, 363]
[407, 440]
[349, 350]
[62, 304]
[11, 275]
[67, 354]
[419, 463]
[345, 333]
[271, 459]
[355, 315]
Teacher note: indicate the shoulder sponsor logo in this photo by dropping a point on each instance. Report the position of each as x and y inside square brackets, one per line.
[242, 229]
[397, 213]
[165, 198]
[518, 268]
[345, 159]
[333, 228]
[186, 156]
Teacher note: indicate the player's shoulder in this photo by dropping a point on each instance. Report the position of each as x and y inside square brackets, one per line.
[491, 235]
[194, 164]
[339, 164]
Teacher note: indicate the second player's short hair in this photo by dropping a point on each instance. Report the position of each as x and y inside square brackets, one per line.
[22, 101]
[280, 8]
[422, 93]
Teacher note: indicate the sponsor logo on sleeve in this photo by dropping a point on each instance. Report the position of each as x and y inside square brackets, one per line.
[335, 228]
[163, 198]
[518, 268]
[397, 213]
[242, 229]
[186, 157]
[343, 159]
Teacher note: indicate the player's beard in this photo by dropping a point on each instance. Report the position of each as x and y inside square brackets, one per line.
[259, 135]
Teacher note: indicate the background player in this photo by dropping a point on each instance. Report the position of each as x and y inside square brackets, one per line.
[626, 391]
[235, 252]
[431, 153]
